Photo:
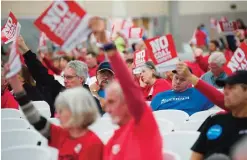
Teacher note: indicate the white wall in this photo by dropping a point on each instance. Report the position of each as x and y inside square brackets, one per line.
[32, 9]
[210, 7]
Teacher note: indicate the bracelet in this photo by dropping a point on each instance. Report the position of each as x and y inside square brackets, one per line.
[109, 46]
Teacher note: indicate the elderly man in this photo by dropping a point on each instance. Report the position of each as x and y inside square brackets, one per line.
[138, 136]
[181, 97]
[75, 73]
[216, 62]
[220, 132]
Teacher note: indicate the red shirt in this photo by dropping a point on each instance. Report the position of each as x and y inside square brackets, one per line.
[139, 139]
[200, 38]
[160, 85]
[92, 71]
[203, 62]
[8, 100]
[86, 147]
[195, 68]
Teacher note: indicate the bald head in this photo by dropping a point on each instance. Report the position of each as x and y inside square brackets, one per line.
[114, 87]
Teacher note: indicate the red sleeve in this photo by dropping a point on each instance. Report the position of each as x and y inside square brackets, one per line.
[132, 92]
[161, 86]
[55, 134]
[49, 64]
[203, 62]
[8, 101]
[211, 93]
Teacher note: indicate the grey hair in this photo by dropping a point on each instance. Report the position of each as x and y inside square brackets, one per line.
[82, 105]
[218, 58]
[80, 68]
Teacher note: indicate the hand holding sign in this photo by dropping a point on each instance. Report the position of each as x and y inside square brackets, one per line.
[163, 52]
[238, 61]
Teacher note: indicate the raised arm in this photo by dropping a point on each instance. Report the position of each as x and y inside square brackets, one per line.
[132, 92]
[33, 116]
[206, 89]
[38, 71]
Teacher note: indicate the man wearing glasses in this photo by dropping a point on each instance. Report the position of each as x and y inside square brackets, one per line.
[75, 74]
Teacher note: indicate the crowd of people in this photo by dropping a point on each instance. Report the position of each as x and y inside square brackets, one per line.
[101, 80]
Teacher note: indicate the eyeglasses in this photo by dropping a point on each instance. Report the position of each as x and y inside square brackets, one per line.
[68, 77]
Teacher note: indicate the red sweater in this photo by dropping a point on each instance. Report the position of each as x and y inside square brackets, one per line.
[140, 137]
[211, 93]
[87, 147]
[8, 100]
[51, 67]
[196, 69]
[160, 85]
[203, 62]
[200, 38]
[92, 71]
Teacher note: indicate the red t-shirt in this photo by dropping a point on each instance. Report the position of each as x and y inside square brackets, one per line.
[87, 147]
[8, 100]
[160, 85]
[136, 141]
[200, 38]
[92, 71]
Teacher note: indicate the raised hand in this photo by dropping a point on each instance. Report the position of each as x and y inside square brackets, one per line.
[22, 45]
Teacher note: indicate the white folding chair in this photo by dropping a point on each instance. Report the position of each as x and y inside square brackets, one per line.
[190, 126]
[200, 116]
[41, 104]
[169, 155]
[175, 116]
[26, 153]
[55, 121]
[60, 79]
[53, 152]
[180, 142]
[45, 112]
[102, 127]
[14, 123]
[165, 126]
[22, 137]
[10, 113]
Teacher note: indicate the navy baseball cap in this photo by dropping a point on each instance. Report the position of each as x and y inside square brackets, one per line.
[238, 77]
[104, 66]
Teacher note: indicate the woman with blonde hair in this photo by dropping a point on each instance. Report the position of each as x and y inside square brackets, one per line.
[77, 110]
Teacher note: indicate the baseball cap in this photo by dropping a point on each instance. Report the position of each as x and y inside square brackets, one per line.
[175, 71]
[238, 77]
[104, 66]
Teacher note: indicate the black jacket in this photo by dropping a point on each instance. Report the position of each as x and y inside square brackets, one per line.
[42, 78]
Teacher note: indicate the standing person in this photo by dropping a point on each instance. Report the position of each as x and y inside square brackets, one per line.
[220, 132]
[75, 74]
[91, 61]
[138, 136]
[77, 110]
[201, 38]
[154, 84]
[216, 62]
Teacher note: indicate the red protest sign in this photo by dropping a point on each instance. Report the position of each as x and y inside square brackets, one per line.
[61, 20]
[162, 49]
[238, 61]
[140, 58]
[9, 29]
[227, 26]
[133, 32]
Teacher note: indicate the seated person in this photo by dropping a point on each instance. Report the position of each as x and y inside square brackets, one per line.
[181, 97]
[152, 81]
[220, 132]
[216, 62]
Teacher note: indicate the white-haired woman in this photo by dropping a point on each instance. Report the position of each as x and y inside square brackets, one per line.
[216, 61]
[77, 110]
